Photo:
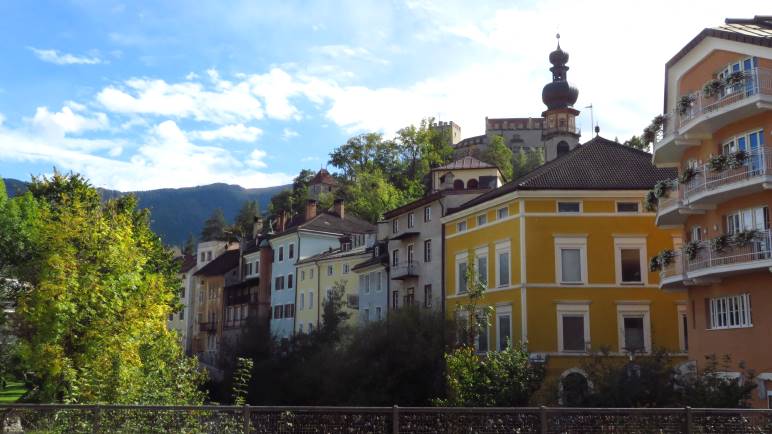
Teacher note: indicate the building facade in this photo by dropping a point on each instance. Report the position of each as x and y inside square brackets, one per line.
[718, 111]
[562, 253]
[180, 321]
[373, 277]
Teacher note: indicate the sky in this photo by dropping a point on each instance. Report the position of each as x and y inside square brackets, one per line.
[144, 95]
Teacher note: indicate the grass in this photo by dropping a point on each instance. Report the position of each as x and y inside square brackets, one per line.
[12, 392]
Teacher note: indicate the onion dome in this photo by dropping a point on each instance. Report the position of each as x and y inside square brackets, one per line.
[559, 94]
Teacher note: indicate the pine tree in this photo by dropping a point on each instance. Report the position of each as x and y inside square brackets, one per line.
[214, 227]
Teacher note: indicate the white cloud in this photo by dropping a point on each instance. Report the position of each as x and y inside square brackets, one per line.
[256, 158]
[276, 87]
[2, 119]
[289, 133]
[54, 56]
[237, 132]
[68, 120]
[341, 51]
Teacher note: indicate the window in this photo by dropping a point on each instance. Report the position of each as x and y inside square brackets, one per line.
[366, 315]
[302, 301]
[502, 212]
[428, 214]
[291, 251]
[409, 297]
[278, 283]
[683, 329]
[302, 275]
[376, 278]
[695, 234]
[310, 327]
[634, 328]
[733, 311]
[395, 257]
[573, 327]
[311, 273]
[378, 313]
[249, 269]
[751, 218]
[310, 299]
[461, 266]
[502, 264]
[395, 299]
[427, 296]
[461, 226]
[630, 254]
[631, 265]
[281, 253]
[209, 255]
[290, 278]
[482, 339]
[410, 254]
[482, 265]
[627, 207]
[329, 270]
[182, 314]
[277, 312]
[428, 251]
[395, 226]
[482, 219]
[569, 207]
[289, 310]
[503, 327]
[203, 257]
[571, 263]
[346, 268]
[410, 220]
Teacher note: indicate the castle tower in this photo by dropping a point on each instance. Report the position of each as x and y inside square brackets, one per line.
[559, 134]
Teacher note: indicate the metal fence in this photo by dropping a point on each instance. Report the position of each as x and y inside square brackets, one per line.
[72, 419]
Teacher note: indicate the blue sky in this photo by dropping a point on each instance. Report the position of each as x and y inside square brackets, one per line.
[142, 95]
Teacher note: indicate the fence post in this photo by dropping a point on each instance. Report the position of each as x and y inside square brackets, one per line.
[395, 419]
[543, 414]
[247, 412]
[688, 419]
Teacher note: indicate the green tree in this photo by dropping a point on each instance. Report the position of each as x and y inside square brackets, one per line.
[99, 286]
[333, 314]
[190, 246]
[637, 143]
[241, 380]
[372, 195]
[245, 219]
[498, 154]
[471, 316]
[525, 161]
[214, 227]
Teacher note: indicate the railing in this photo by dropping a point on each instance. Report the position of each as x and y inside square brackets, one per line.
[404, 270]
[756, 81]
[675, 196]
[20, 418]
[566, 129]
[675, 268]
[760, 249]
[757, 163]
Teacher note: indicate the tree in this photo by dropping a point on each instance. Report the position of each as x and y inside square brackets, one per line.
[190, 246]
[245, 219]
[471, 316]
[526, 161]
[372, 195]
[333, 315]
[498, 154]
[241, 380]
[99, 285]
[637, 143]
[214, 227]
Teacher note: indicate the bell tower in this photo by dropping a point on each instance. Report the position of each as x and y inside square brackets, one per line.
[559, 134]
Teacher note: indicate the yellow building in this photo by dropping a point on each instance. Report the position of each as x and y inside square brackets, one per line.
[564, 255]
[318, 275]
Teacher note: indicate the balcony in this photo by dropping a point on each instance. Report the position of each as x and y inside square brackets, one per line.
[751, 96]
[404, 271]
[209, 327]
[405, 236]
[546, 132]
[709, 188]
[710, 263]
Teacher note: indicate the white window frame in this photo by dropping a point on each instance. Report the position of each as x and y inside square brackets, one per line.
[571, 242]
[427, 214]
[428, 251]
[461, 258]
[634, 310]
[395, 225]
[346, 268]
[290, 276]
[461, 226]
[499, 215]
[482, 252]
[379, 286]
[502, 311]
[503, 247]
[281, 253]
[410, 220]
[573, 309]
[558, 202]
[311, 299]
[330, 270]
[726, 302]
[637, 202]
[290, 251]
[630, 243]
[410, 254]
[481, 219]
[395, 258]
[681, 313]
[302, 302]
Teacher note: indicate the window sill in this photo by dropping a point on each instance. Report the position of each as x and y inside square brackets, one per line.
[730, 328]
[631, 283]
[572, 283]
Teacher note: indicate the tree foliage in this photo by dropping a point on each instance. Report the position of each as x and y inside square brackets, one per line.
[525, 161]
[98, 286]
[498, 154]
[637, 143]
[245, 219]
[214, 227]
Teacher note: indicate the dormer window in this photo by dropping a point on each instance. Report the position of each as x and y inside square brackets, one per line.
[395, 226]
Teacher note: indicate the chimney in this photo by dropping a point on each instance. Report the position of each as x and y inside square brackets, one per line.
[257, 226]
[339, 208]
[310, 209]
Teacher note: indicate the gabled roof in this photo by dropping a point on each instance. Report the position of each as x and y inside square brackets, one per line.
[599, 164]
[221, 264]
[323, 177]
[328, 221]
[335, 254]
[467, 162]
[188, 262]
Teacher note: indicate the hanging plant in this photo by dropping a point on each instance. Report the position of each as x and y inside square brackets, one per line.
[658, 122]
[651, 201]
[662, 188]
[720, 243]
[666, 257]
[687, 175]
[717, 163]
[684, 103]
[712, 88]
[654, 265]
[691, 249]
[649, 135]
[743, 238]
[736, 159]
[734, 78]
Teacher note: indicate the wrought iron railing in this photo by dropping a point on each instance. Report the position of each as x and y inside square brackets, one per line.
[404, 270]
[757, 164]
[673, 198]
[674, 268]
[26, 418]
[709, 255]
[756, 81]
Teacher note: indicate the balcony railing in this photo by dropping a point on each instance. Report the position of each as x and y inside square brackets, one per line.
[757, 164]
[404, 271]
[760, 249]
[674, 269]
[757, 81]
[564, 129]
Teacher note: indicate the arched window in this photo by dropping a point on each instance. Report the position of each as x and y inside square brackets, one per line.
[574, 388]
[563, 148]
[458, 184]
[471, 184]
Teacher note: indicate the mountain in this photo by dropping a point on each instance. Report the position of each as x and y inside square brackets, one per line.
[177, 212]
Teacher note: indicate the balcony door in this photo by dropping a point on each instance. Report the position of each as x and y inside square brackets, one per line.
[749, 85]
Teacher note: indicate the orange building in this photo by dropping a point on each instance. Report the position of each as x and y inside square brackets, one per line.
[717, 124]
